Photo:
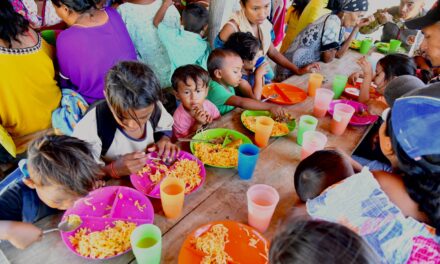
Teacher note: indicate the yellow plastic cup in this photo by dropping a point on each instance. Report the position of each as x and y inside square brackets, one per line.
[315, 82]
[172, 194]
[263, 130]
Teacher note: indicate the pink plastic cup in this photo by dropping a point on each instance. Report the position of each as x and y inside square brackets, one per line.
[262, 200]
[341, 117]
[312, 141]
[323, 99]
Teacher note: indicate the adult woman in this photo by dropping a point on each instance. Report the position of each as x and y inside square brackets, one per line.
[253, 18]
[96, 40]
[28, 90]
[323, 39]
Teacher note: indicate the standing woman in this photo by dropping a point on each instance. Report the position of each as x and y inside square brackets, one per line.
[96, 40]
[253, 18]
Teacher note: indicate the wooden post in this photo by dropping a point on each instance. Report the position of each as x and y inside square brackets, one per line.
[219, 13]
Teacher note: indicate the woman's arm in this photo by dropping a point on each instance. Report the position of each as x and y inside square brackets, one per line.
[226, 31]
[347, 42]
[279, 59]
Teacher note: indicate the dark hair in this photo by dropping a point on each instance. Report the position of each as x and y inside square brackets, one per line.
[421, 178]
[319, 171]
[299, 6]
[244, 44]
[190, 71]
[12, 24]
[397, 64]
[195, 18]
[129, 86]
[63, 160]
[216, 58]
[313, 241]
[79, 6]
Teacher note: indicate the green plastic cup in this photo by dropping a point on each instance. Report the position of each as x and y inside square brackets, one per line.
[306, 123]
[146, 242]
[365, 46]
[394, 45]
[339, 83]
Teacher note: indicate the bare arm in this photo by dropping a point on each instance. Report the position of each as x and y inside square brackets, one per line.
[226, 32]
[161, 12]
[251, 104]
[347, 42]
[279, 59]
[246, 89]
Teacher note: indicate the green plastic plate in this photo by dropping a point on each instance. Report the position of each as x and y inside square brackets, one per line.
[291, 125]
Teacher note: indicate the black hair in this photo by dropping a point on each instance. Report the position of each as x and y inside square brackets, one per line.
[79, 6]
[314, 241]
[195, 18]
[397, 64]
[190, 71]
[12, 24]
[244, 44]
[216, 58]
[319, 171]
[129, 86]
[299, 6]
[421, 178]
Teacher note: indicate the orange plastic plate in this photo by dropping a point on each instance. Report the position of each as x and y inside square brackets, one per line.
[287, 94]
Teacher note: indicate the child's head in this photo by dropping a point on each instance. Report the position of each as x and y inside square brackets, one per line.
[392, 66]
[313, 241]
[62, 169]
[256, 11]
[190, 84]
[131, 89]
[319, 171]
[224, 66]
[195, 18]
[246, 46]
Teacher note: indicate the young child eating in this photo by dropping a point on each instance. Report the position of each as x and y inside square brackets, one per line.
[190, 84]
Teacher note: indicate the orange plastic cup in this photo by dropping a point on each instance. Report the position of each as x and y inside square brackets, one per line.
[172, 194]
[315, 82]
[341, 117]
[263, 130]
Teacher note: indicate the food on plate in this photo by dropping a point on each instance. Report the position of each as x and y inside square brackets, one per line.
[279, 128]
[212, 244]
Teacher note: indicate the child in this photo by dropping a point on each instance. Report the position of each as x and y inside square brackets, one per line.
[131, 119]
[224, 67]
[253, 78]
[59, 170]
[190, 85]
[187, 45]
[313, 241]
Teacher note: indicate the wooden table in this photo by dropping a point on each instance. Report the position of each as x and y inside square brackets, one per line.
[223, 195]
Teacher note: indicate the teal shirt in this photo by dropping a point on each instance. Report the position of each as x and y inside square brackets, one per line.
[218, 95]
[184, 47]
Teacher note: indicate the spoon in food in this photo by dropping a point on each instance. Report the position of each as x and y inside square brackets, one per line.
[71, 223]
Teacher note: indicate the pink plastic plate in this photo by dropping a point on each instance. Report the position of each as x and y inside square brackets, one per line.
[146, 186]
[356, 120]
[104, 206]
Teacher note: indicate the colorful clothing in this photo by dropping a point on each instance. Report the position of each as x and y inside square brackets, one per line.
[359, 203]
[183, 121]
[219, 95]
[278, 15]
[139, 21]
[28, 90]
[28, 8]
[86, 54]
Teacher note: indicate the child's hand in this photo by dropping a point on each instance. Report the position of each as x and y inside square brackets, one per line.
[277, 111]
[354, 76]
[200, 115]
[312, 67]
[262, 70]
[129, 163]
[366, 67]
[168, 3]
[21, 235]
[165, 149]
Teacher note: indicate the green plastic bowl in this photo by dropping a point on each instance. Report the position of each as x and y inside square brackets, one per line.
[215, 133]
[383, 47]
[291, 125]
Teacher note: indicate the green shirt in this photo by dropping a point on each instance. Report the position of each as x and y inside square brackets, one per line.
[218, 95]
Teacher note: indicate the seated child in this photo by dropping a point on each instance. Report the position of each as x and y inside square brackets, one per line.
[59, 170]
[122, 128]
[254, 78]
[185, 45]
[224, 67]
[190, 84]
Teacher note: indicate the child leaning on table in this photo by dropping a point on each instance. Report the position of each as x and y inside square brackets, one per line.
[190, 84]
[224, 67]
[58, 171]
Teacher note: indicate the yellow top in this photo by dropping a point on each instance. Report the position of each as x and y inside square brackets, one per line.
[28, 90]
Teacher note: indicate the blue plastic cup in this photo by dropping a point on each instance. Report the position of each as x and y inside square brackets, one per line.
[270, 74]
[247, 160]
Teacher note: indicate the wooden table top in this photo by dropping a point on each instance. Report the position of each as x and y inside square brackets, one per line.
[223, 196]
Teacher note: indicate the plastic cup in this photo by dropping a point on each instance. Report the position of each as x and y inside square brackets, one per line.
[339, 83]
[313, 141]
[306, 123]
[270, 74]
[262, 200]
[322, 101]
[315, 82]
[341, 117]
[146, 242]
[263, 130]
[394, 45]
[172, 194]
[365, 46]
[247, 160]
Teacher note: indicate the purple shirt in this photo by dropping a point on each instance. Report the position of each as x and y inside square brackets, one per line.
[85, 54]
